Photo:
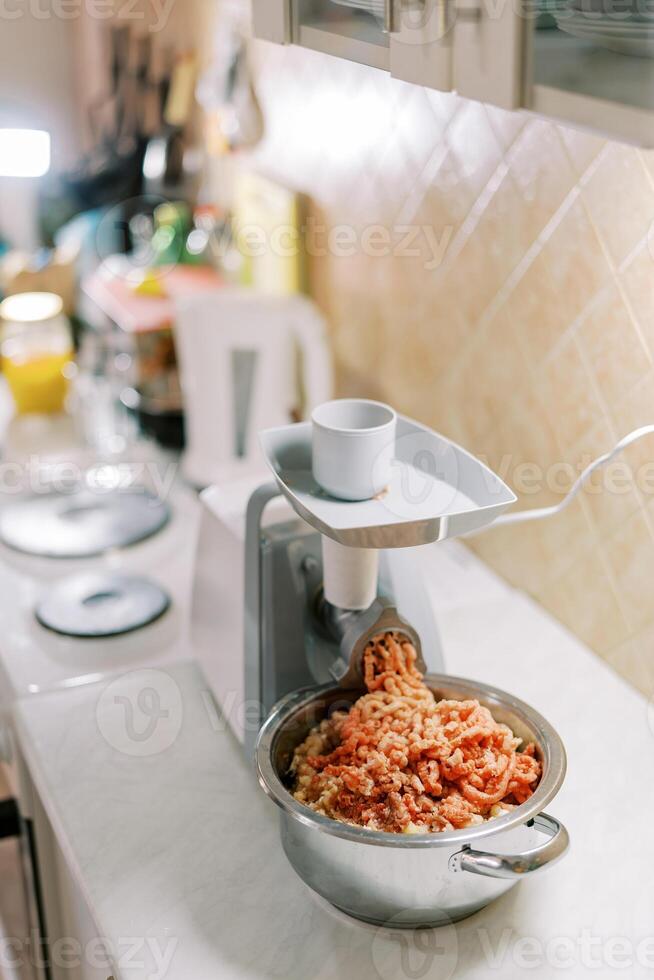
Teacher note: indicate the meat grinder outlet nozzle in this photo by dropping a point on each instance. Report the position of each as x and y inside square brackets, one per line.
[353, 613]
[354, 630]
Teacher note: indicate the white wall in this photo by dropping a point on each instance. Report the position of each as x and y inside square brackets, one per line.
[36, 90]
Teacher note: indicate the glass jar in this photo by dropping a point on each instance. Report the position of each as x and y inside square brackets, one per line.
[37, 349]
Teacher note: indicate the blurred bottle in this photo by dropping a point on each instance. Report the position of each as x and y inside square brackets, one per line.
[172, 222]
[37, 351]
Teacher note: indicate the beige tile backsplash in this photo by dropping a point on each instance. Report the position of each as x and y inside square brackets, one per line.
[519, 320]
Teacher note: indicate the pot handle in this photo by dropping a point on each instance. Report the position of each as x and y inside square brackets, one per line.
[517, 865]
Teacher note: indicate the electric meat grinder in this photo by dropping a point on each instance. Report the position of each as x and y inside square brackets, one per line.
[288, 593]
[286, 596]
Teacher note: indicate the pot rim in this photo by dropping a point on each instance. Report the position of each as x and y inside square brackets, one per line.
[548, 739]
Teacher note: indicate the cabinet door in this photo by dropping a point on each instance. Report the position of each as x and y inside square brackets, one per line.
[421, 36]
[488, 51]
[76, 952]
[591, 63]
[352, 29]
[271, 20]
[411, 38]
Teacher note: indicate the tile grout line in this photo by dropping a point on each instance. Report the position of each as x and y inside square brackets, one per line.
[613, 266]
[611, 577]
[440, 149]
[623, 266]
[648, 173]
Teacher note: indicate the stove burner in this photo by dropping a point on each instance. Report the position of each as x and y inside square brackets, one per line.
[81, 525]
[101, 604]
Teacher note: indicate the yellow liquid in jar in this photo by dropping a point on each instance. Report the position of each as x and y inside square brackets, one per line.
[38, 383]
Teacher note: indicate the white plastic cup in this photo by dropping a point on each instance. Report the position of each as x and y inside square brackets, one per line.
[353, 447]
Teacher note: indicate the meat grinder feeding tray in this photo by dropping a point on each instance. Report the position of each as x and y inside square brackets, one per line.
[437, 491]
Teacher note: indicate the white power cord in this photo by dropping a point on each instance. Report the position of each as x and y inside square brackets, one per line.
[539, 512]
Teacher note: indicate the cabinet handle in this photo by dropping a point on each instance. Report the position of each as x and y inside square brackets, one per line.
[468, 15]
[443, 17]
[9, 819]
[443, 12]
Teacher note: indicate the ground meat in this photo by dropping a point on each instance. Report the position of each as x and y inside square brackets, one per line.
[400, 761]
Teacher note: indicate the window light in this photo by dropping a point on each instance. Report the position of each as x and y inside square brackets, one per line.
[24, 152]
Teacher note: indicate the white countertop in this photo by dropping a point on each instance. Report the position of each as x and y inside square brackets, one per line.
[181, 847]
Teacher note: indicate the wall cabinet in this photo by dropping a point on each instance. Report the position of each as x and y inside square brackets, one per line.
[586, 62]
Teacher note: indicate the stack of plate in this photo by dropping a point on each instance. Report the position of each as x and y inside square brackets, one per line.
[625, 26]
[375, 7]
[545, 12]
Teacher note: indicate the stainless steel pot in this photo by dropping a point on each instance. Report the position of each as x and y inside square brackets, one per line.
[422, 879]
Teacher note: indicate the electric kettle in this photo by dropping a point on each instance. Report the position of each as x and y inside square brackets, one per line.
[247, 362]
